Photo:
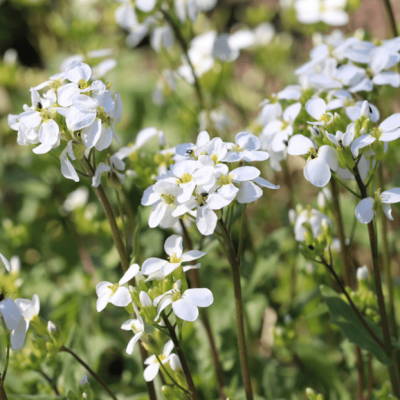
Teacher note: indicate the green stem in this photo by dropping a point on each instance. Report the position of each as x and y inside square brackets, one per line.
[122, 218]
[50, 381]
[3, 395]
[392, 19]
[182, 358]
[241, 237]
[7, 358]
[196, 283]
[346, 187]
[241, 336]
[119, 244]
[378, 288]
[340, 232]
[169, 376]
[95, 376]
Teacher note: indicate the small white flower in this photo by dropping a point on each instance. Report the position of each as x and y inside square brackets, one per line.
[137, 327]
[365, 210]
[9, 313]
[153, 366]
[317, 109]
[320, 163]
[247, 148]
[173, 247]
[115, 294]
[314, 218]
[362, 273]
[185, 306]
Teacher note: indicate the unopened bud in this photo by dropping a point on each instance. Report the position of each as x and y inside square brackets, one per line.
[362, 273]
[145, 300]
[365, 109]
[83, 381]
[292, 216]
[51, 327]
[315, 131]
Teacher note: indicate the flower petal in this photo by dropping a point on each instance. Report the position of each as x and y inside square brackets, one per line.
[192, 255]
[316, 108]
[391, 196]
[129, 274]
[364, 210]
[121, 298]
[330, 156]
[132, 342]
[18, 334]
[299, 145]
[151, 372]
[389, 123]
[5, 262]
[10, 313]
[387, 209]
[199, 297]
[248, 193]
[185, 310]
[206, 220]
[152, 265]
[317, 172]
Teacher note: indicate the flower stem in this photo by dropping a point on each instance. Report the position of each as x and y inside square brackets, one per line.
[392, 19]
[347, 276]
[169, 375]
[122, 218]
[241, 336]
[196, 283]
[182, 358]
[241, 237]
[3, 395]
[7, 359]
[378, 288]
[49, 380]
[119, 244]
[95, 376]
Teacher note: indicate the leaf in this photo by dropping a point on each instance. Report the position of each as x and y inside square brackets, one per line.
[321, 309]
[346, 319]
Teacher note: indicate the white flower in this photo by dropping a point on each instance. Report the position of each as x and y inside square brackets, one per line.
[387, 131]
[343, 139]
[115, 294]
[246, 149]
[366, 208]
[330, 12]
[184, 305]
[28, 309]
[115, 168]
[314, 218]
[188, 150]
[317, 109]
[173, 247]
[67, 169]
[250, 191]
[83, 381]
[137, 326]
[282, 127]
[153, 365]
[320, 163]
[186, 8]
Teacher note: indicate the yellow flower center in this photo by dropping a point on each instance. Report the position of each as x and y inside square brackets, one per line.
[214, 157]
[174, 259]
[185, 178]
[114, 287]
[225, 179]
[168, 198]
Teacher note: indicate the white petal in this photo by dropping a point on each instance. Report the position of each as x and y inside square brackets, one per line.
[291, 112]
[77, 71]
[391, 122]
[229, 192]
[192, 255]
[77, 120]
[67, 93]
[391, 196]
[299, 145]
[242, 174]
[158, 213]
[206, 220]
[145, 5]
[168, 268]
[152, 265]
[149, 196]
[121, 298]
[163, 304]
[103, 300]
[30, 119]
[18, 335]
[364, 211]
[185, 310]
[387, 209]
[316, 108]
[387, 78]
[10, 313]
[96, 181]
[215, 201]
[151, 372]
[5, 262]
[105, 138]
[91, 134]
[129, 274]
[67, 169]
[264, 183]
[247, 141]
[330, 156]
[248, 193]
[250, 156]
[168, 347]
[317, 172]
[360, 143]
[49, 132]
[103, 288]
[199, 297]
[132, 342]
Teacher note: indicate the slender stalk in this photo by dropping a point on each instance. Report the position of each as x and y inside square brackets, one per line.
[241, 237]
[241, 336]
[360, 374]
[170, 377]
[95, 376]
[196, 283]
[353, 306]
[122, 218]
[392, 19]
[386, 261]
[182, 358]
[119, 244]
[347, 276]
[50, 381]
[7, 359]
[378, 288]
[3, 395]
[370, 377]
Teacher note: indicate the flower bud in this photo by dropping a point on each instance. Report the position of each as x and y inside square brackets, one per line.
[83, 381]
[161, 139]
[365, 109]
[362, 273]
[292, 216]
[145, 300]
[51, 327]
[315, 131]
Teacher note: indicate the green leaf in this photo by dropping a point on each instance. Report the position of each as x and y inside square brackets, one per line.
[346, 319]
[71, 395]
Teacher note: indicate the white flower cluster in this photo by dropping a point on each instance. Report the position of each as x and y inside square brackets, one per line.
[339, 72]
[74, 110]
[166, 290]
[202, 181]
[16, 315]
